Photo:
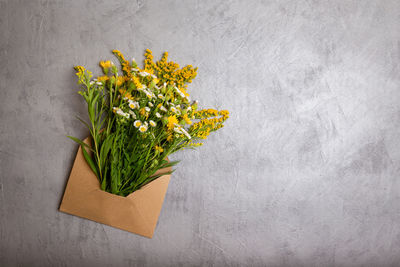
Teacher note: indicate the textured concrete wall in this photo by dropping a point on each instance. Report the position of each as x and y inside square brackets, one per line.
[305, 173]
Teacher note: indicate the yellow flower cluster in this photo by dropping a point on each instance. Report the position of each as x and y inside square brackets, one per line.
[105, 64]
[185, 117]
[103, 78]
[148, 62]
[125, 63]
[206, 125]
[170, 70]
[172, 120]
[126, 94]
[136, 82]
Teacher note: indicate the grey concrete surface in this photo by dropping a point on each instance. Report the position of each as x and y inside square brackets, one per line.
[305, 173]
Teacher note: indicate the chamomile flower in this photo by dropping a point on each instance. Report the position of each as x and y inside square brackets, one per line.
[162, 108]
[147, 109]
[173, 109]
[137, 123]
[133, 115]
[144, 74]
[158, 115]
[160, 96]
[151, 104]
[152, 123]
[91, 82]
[143, 128]
[185, 133]
[133, 104]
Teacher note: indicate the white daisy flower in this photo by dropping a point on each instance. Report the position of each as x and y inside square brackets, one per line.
[91, 82]
[137, 123]
[134, 69]
[133, 104]
[143, 128]
[144, 73]
[99, 83]
[160, 96]
[162, 108]
[158, 115]
[132, 114]
[152, 123]
[151, 104]
[185, 133]
[173, 109]
[147, 109]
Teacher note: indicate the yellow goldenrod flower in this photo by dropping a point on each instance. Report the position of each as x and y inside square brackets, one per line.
[105, 64]
[186, 119]
[142, 112]
[103, 78]
[170, 137]
[171, 122]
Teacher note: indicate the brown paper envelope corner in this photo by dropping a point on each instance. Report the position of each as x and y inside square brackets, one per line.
[137, 213]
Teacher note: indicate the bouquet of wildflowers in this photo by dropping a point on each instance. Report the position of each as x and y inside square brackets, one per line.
[138, 118]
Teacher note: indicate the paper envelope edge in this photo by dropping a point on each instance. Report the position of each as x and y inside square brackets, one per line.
[137, 213]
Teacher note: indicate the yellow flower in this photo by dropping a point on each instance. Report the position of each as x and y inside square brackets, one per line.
[158, 148]
[121, 80]
[105, 64]
[126, 94]
[79, 69]
[170, 137]
[142, 111]
[136, 82]
[186, 119]
[171, 122]
[103, 78]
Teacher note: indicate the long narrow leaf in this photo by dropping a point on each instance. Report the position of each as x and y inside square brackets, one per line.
[90, 162]
[80, 142]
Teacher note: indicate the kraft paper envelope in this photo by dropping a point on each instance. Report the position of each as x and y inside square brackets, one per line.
[137, 213]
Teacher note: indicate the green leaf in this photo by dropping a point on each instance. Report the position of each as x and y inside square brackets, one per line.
[80, 142]
[90, 162]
